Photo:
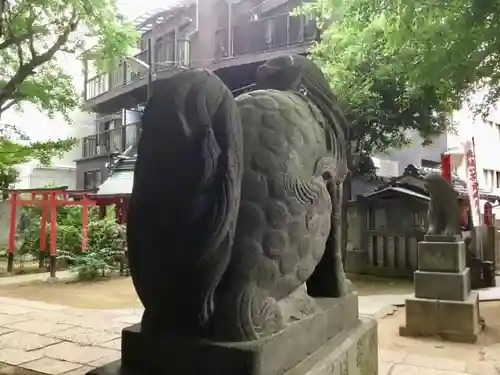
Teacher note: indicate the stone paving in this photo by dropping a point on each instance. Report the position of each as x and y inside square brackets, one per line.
[403, 363]
[56, 339]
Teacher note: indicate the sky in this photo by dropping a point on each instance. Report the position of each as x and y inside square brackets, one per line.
[134, 8]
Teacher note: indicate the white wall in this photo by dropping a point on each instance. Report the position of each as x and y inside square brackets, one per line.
[416, 152]
[41, 177]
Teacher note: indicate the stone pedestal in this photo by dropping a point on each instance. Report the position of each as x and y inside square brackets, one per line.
[334, 342]
[444, 304]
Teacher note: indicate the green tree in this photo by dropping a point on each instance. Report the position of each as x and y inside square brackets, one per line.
[16, 148]
[372, 81]
[36, 34]
[380, 59]
[451, 44]
[35, 37]
[406, 65]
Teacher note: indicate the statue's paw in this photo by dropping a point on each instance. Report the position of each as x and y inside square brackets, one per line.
[269, 318]
[345, 287]
[349, 286]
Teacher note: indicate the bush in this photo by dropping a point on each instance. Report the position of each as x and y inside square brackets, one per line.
[105, 247]
[105, 240]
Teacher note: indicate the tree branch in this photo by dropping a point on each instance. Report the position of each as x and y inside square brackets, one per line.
[10, 39]
[3, 4]
[16, 39]
[8, 105]
[30, 30]
[27, 69]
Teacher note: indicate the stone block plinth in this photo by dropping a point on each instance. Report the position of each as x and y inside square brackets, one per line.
[444, 304]
[354, 351]
[441, 256]
[442, 285]
[451, 320]
[334, 342]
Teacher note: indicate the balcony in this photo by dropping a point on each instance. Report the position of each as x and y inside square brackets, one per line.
[169, 54]
[110, 141]
[264, 35]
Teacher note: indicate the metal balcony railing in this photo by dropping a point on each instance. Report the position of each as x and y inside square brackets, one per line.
[264, 35]
[110, 141]
[166, 55]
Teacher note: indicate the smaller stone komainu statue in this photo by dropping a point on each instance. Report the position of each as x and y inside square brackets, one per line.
[236, 203]
[444, 209]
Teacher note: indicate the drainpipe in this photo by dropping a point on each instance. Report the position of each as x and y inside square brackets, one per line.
[230, 29]
[197, 20]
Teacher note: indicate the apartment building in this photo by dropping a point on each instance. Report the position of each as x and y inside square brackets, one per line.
[486, 135]
[229, 37]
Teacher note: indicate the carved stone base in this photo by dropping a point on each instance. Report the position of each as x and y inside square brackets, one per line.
[336, 326]
[351, 352]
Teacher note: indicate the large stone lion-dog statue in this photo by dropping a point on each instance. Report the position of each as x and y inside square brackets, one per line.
[236, 202]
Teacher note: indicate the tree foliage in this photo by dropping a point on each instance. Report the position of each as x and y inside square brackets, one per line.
[378, 64]
[34, 35]
[16, 148]
[451, 44]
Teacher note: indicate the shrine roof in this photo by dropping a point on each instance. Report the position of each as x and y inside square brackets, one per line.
[120, 181]
[413, 179]
[392, 190]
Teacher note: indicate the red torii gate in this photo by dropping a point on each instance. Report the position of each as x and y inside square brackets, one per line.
[120, 201]
[48, 199]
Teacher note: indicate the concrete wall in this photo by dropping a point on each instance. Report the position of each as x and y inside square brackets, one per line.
[41, 177]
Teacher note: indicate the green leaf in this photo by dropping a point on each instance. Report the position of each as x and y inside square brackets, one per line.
[404, 66]
[35, 37]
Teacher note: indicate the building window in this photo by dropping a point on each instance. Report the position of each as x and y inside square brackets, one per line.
[489, 178]
[426, 163]
[91, 179]
[376, 218]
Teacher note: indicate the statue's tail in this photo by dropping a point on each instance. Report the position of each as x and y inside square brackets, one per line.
[185, 198]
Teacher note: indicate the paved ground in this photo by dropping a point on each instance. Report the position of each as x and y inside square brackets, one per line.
[403, 363]
[57, 339]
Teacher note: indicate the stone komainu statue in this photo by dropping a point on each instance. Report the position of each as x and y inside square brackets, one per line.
[444, 209]
[236, 203]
